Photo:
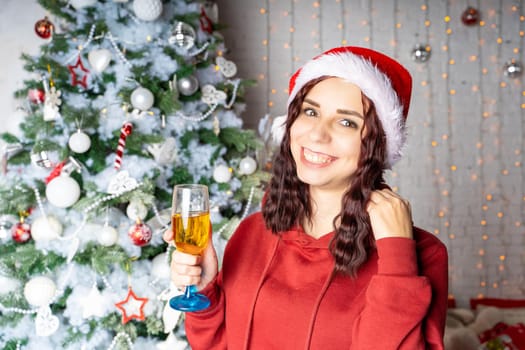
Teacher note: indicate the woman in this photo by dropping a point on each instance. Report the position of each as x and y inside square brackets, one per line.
[332, 261]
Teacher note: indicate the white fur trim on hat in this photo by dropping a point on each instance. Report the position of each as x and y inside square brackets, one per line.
[372, 82]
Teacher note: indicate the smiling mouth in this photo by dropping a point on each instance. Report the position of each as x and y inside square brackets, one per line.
[316, 158]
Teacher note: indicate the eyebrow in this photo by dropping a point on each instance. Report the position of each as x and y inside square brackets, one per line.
[340, 111]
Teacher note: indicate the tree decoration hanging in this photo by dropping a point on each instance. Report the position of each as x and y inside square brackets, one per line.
[147, 10]
[125, 131]
[142, 99]
[79, 142]
[512, 69]
[99, 59]
[140, 233]
[470, 16]
[187, 86]
[132, 307]
[183, 36]
[63, 191]
[44, 28]
[36, 96]
[421, 53]
[79, 73]
[21, 231]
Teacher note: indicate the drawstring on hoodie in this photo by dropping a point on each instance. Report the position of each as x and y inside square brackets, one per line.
[261, 281]
[316, 310]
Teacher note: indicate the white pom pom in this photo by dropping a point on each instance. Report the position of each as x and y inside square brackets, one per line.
[278, 128]
[39, 291]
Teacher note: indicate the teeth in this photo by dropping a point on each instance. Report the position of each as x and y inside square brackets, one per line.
[315, 157]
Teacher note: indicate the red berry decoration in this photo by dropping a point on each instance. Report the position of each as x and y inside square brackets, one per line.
[44, 28]
[21, 232]
[140, 234]
[470, 16]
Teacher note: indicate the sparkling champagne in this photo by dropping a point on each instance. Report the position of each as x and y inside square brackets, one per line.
[191, 236]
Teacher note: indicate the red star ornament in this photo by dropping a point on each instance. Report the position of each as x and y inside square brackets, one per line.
[79, 73]
[132, 307]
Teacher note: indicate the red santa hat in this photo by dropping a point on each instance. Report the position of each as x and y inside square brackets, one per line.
[383, 80]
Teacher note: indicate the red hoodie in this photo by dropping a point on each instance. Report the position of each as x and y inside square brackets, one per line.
[278, 292]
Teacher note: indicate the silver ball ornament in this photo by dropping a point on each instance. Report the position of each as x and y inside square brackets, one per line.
[512, 69]
[142, 98]
[421, 53]
[183, 36]
[187, 86]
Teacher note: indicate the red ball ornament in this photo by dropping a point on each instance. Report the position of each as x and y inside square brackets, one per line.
[36, 96]
[470, 16]
[44, 28]
[21, 232]
[140, 234]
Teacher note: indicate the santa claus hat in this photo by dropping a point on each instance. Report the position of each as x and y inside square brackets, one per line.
[383, 80]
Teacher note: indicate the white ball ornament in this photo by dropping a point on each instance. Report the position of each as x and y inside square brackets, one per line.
[136, 210]
[63, 191]
[142, 98]
[46, 228]
[78, 4]
[160, 267]
[79, 142]
[247, 166]
[39, 291]
[107, 236]
[222, 173]
[147, 10]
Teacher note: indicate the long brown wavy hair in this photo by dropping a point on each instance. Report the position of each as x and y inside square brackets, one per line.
[288, 199]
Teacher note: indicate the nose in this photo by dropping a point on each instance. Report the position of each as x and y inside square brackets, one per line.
[320, 131]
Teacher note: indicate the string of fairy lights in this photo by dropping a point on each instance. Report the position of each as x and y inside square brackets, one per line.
[483, 230]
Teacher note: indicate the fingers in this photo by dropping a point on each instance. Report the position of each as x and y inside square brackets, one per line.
[185, 269]
[167, 236]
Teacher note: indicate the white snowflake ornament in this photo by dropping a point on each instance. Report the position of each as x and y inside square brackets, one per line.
[227, 68]
[51, 103]
[211, 96]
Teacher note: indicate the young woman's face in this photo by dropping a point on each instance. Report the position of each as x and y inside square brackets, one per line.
[325, 139]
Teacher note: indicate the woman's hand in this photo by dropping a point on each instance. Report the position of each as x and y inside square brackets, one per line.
[187, 269]
[390, 215]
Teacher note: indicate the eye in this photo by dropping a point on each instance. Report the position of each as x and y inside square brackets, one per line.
[310, 112]
[348, 123]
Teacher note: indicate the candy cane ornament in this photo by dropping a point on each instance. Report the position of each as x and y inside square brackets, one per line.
[125, 131]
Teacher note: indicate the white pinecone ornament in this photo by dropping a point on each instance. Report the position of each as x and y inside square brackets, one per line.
[147, 10]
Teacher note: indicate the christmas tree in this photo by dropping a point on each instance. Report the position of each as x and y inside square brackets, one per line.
[128, 99]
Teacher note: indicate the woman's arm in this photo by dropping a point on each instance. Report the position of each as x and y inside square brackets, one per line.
[405, 304]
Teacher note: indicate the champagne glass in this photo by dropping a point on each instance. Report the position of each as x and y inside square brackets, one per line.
[190, 220]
